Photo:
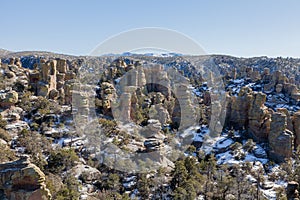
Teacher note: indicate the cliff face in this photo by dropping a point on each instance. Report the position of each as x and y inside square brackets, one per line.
[22, 180]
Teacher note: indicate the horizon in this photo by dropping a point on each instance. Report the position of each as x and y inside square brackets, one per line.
[133, 53]
[239, 29]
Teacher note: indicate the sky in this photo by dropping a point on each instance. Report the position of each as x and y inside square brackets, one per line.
[240, 28]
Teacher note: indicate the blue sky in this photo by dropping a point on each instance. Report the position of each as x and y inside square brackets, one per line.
[232, 27]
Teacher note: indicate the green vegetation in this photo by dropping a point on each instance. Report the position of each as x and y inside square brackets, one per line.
[61, 160]
[37, 145]
[69, 190]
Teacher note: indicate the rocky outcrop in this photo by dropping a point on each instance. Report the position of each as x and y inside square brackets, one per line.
[22, 180]
[106, 97]
[86, 173]
[292, 191]
[254, 111]
[12, 114]
[8, 98]
[259, 117]
[158, 112]
[125, 108]
[239, 109]
[281, 140]
[51, 78]
[296, 124]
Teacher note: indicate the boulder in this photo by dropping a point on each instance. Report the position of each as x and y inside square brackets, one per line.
[152, 129]
[53, 94]
[8, 98]
[12, 114]
[86, 173]
[124, 108]
[9, 74]
[107, 95]
[23, 180]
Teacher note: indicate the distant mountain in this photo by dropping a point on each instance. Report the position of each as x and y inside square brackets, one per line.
[4, 52]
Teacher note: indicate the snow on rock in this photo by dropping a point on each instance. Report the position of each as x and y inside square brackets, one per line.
[223, 143]
[17, 126]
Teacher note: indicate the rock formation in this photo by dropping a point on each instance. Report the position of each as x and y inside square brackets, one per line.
[51, 79]
[8, 98]
[154, 139]
[259, 118]
[22, 180]
[292, 191]
[106, 96]
[253, 109]
[296, 124]
[239, 109]
[281, 140]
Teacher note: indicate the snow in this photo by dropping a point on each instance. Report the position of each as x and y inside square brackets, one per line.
[260, 152]
[238, 81]
[224, 143]
[226, 158]
[252, 158]
[129, 185]
[78, 141]
[197, 92]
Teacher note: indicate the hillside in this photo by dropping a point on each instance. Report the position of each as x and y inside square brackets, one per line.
[149, 127]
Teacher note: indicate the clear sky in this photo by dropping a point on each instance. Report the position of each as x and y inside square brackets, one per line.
[232, 27]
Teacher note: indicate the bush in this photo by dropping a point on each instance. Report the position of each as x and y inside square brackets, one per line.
[54, 184]
[69, 191]
[62, 160]
[33, 142]
[109, 126]
[249, 145]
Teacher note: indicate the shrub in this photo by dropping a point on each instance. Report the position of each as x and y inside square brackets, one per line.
[249, 145]
[61, 160]
[69, 191]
